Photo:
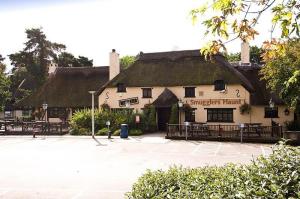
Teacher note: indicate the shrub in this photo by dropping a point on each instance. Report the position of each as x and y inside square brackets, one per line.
[292, 126]
[135, 132]
[174, 115]
[103, 131]
[117, 132]
[276, 176]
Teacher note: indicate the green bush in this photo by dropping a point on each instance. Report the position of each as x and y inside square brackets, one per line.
[174, 115]
[292, 126]
[117, 132]
[275, 176]
[103, 131]
[135, 132]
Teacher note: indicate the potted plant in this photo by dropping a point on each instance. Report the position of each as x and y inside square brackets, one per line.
[245, 108]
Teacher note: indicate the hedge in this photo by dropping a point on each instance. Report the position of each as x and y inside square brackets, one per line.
[275, 176]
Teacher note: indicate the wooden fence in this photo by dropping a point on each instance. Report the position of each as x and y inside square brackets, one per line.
[225, 132]
[30, 128]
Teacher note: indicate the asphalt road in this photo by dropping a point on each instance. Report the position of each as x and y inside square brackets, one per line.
[83, 168]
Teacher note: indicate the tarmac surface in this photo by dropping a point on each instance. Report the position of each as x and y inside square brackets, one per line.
[84, 168]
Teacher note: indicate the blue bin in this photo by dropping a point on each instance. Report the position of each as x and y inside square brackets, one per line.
[124, 131]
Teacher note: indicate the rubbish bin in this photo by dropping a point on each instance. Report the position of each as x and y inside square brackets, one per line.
[124, 131]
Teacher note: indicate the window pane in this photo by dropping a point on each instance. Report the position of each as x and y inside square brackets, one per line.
[220, 115]
[189, 91]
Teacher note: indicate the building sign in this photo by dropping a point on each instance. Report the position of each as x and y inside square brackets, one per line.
[208, 102]
[129, 101]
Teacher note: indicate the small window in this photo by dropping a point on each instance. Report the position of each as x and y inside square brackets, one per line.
[190, 115]
[121, 88]
[219, 85]
[26, 113]
[8, 114]
[271, 112]
[219, 115]
[189, 91]
[57, 113]
[147, 92]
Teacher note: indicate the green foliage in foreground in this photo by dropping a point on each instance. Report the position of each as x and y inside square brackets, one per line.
[276, 176]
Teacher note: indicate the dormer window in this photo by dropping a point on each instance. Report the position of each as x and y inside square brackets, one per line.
[121, 88]
[189, 92]
[219, 85]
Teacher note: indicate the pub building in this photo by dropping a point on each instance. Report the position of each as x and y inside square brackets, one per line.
[210, 91]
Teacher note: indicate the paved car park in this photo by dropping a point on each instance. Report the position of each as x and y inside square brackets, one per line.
[82, 167]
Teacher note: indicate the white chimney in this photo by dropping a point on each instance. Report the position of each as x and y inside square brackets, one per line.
[114, 64]
[245, 53]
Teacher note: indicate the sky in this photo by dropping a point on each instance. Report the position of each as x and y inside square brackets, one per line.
[92, 28]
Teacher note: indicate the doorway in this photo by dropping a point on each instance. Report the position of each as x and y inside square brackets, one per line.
[163, 117]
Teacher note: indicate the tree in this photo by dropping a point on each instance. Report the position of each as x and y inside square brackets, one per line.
[84, 62]
[255, 55]
[4, 85]
[66, 59]
[127, 61]
[282, 73]
[234, 19]
[174, 114]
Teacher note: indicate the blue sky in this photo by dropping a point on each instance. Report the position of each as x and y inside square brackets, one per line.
[93, 27]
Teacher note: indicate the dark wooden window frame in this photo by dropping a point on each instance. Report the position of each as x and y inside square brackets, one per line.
[147, 92]
[121, 88]
[190, 115]
[271, 112]
[223, 115]
[219, 85]
[57, 113]
[189, 92]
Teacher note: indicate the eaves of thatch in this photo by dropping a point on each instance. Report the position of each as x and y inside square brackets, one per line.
[178, 68]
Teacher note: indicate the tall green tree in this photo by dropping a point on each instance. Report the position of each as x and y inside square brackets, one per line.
[227, 20]
[256, 54]
[4, 85]
[282, 73]
[66, 59]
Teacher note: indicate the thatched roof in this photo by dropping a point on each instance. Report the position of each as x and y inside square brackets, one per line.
[68, 87]
[261, 95]
[178, 68]
[165, 99]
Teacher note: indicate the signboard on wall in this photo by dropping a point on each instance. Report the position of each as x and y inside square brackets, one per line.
[131, 101]
[209, 102]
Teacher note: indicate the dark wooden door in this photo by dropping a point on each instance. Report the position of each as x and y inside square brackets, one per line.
[163, 117]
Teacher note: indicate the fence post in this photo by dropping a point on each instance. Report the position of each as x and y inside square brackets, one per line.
[168, 129]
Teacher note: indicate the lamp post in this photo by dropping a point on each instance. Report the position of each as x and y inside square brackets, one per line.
[93, 113]
[271, 105]
[45, 107]
[180, 105]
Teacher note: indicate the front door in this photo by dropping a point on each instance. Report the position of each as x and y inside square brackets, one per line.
[163, 117]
